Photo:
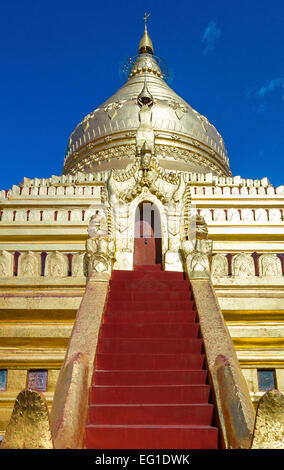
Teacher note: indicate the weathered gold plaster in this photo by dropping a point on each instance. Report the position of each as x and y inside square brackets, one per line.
[269, 422]
[218, 344]
[29, 426]
[233, 403]
[69, 408]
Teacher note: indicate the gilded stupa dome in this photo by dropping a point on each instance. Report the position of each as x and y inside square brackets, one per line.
[184, 139]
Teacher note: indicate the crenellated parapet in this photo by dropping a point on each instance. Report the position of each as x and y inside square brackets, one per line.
[86, 184]
[45, 215]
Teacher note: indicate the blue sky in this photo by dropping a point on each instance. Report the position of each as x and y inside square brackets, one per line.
[61, 59]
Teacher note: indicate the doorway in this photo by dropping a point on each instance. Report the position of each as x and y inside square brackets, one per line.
[148, 236]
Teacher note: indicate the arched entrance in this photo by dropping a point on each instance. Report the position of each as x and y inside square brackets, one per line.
[148, 236]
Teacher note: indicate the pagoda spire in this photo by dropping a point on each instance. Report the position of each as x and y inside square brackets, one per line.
[146, 45]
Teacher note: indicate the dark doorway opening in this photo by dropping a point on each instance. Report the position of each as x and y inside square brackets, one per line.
[148, 236]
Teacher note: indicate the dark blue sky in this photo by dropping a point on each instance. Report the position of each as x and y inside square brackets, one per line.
[61, 59]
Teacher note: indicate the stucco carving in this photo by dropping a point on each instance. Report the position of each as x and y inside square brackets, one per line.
[217, 191]
[100, 248]
[48, 216]
[247, 215]
[145, 180]
[100, 255]
[29, 265]
[21, 216]
[145, 132]
[227, 191]
[62, 216]
[6, 264]
[78, 265]
[196, 253]
[219, 215]
[98, 226]
[261, 215]
[269, 265]
[34, 215]
[233, 215]
[275, 215]
[7, 215]
[219, 267]
[76, 215]
[206, 214]
[56, 265]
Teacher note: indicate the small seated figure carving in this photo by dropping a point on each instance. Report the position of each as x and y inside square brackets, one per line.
[243, 265]
[270, 265]
[219, 266]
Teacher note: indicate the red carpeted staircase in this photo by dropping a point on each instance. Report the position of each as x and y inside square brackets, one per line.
[149, 385]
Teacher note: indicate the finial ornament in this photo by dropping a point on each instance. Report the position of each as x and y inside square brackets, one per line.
[146, 16]
[146, 46]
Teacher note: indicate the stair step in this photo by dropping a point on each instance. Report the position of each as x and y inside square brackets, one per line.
[144, 330]
[154, 345]
[106, 361]
[156, 316]
[149, 377]
[149, 295]
[151, 437]
[149, 394]
[148, 305]
[154, 285]
[200, 414]
[149, 387]
[146, 275]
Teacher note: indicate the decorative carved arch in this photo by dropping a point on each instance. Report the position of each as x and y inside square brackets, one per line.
[56, 265]
[219, 267]
[29, 265]
[147, 196]
[6, 264]
[269, 265]
[243, 265]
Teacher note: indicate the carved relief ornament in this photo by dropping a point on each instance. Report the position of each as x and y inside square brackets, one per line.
[243, 265]
[100, 248]
[56, 265]
[197, 252]
[29, 265]
[6, 264]
[269, 265]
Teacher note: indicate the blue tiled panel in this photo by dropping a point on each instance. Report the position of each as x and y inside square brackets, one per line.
[266, 380]
[3, 379]
[38, 380]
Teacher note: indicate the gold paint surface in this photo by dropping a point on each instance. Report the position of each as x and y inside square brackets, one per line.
[256, 343]
[70, 404]
[233, 404]
[29, 426]
[88, 319]
[269, 422]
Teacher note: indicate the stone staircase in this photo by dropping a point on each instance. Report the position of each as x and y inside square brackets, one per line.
[150, 387]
